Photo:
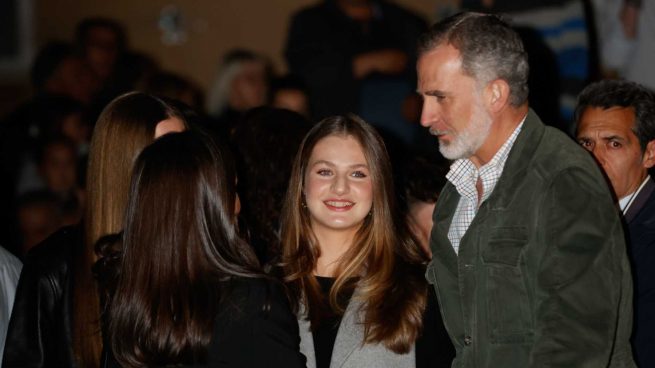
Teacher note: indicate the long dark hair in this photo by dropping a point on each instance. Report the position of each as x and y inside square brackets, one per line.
[179, 242]
[256, 141]
[124, 128]
[384, 257]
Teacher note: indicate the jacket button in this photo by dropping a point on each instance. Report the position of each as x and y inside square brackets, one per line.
[467, 340]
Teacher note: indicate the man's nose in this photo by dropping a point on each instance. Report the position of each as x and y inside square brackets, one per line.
[428, 114]
[599, 154]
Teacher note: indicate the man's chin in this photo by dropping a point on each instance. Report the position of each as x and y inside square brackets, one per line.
[448, 152]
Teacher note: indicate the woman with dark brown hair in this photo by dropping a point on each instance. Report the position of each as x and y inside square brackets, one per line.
[355, 274]
[188, 290]
[56, 316]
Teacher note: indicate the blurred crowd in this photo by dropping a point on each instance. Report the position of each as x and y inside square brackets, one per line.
[342, 56]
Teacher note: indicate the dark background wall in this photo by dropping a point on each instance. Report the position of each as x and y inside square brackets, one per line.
[212, 27]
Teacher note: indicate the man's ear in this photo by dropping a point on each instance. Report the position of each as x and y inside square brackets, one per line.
[649, 155]
[497, 93]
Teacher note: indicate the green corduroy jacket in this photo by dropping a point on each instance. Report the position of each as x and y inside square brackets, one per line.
[542, 277]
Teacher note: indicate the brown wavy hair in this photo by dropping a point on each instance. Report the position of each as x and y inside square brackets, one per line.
[180, 241]
[384, 258]
[124, 128]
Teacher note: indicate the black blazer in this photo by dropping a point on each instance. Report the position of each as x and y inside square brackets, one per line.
[39, 333]
[254, 328]
[640, 220]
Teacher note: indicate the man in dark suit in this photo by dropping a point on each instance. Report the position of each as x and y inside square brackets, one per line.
[616, 123]
[529, 260]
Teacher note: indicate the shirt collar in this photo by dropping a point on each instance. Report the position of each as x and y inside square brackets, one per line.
[464, 174]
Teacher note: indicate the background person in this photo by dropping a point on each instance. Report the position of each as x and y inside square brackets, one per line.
[188, 291]
[10, 268]
[55, 322]
[616, 123]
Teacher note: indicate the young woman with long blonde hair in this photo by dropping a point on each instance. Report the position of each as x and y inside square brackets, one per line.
[355, 275]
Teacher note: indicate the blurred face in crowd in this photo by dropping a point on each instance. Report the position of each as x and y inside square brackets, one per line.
[453, 109]
[73, 78]
[338, 189]
[608, 134]
[75, 129]
[36, 222]
[420, 223]
[250, 87]
[292, 99]
[59, 168]
[101, 50]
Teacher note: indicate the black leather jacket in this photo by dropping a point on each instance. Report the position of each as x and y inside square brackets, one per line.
[39, 332]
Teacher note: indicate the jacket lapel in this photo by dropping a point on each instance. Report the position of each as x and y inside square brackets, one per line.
[517, 162]
[306, 338]
[350, 334]
[640, 201]
[442, 248]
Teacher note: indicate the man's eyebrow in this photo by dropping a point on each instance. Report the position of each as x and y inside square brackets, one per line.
[613, 138]
[433, 92]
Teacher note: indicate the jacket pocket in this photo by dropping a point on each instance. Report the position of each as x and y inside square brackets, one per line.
[507, 299]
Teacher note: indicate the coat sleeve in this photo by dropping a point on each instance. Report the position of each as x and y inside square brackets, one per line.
[276, 333]
[582, 282]
[256, 329]
[32, 319]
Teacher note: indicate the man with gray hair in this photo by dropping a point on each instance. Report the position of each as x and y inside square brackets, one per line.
[529, 260]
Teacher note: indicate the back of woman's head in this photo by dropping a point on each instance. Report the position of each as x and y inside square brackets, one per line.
[256, 141]
[125, 127]
[179, 242]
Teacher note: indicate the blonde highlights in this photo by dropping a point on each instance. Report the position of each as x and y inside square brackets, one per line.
[384, 263]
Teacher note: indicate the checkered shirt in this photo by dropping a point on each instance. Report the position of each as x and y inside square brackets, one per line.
[464, 175]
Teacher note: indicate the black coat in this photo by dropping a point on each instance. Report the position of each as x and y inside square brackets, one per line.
[39, 333]
[254, 328]
[640, 220]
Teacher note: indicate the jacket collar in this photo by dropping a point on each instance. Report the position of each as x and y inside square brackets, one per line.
[517, 163]
[349, 336]
[640, 201]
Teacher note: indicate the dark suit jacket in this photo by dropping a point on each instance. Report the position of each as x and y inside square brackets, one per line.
[640, 220]
[542, 278]
[254, 328]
